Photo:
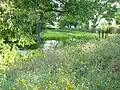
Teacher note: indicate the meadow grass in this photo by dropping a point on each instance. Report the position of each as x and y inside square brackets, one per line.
[64, 35]
[92, 65]
[89, 64]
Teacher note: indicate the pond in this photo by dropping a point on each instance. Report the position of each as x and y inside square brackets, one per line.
[51, 45]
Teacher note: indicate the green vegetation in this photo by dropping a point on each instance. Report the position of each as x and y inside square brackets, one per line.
[64, 35]
[90, 65]
[52, 45]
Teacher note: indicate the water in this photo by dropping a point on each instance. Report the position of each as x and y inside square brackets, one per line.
[51, 45]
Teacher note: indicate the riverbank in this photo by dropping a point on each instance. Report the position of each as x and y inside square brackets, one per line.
[83, 65]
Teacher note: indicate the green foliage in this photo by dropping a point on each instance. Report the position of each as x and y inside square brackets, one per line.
[85, 65]
[26, 18]
[67, 20]
[35, 70]
[104, 26]
[117, 17]
[94, 69]
[17, 25]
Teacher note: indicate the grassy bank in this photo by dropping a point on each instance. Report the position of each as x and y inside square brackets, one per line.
[93, 65]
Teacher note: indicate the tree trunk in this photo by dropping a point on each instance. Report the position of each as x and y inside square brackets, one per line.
[103, 33]
[39, 28]
[99, 33]
[38, 32]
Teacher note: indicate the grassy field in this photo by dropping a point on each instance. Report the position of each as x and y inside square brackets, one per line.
[64, 35]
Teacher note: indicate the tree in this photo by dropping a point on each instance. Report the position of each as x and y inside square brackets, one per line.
[22, 18]
[117, 17]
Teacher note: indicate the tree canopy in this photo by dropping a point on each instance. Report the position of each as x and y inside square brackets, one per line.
[23, 20]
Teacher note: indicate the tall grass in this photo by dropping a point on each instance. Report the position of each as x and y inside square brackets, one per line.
[92, 65]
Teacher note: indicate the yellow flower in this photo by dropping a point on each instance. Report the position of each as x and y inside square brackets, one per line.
[48, 65]
[35, 88]
[96, 81]
[50, 81]
[14, 88]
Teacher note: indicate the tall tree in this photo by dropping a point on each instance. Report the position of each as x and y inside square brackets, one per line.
[20, 18]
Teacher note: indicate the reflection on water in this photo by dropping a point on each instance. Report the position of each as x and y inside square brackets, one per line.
[51, 44]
